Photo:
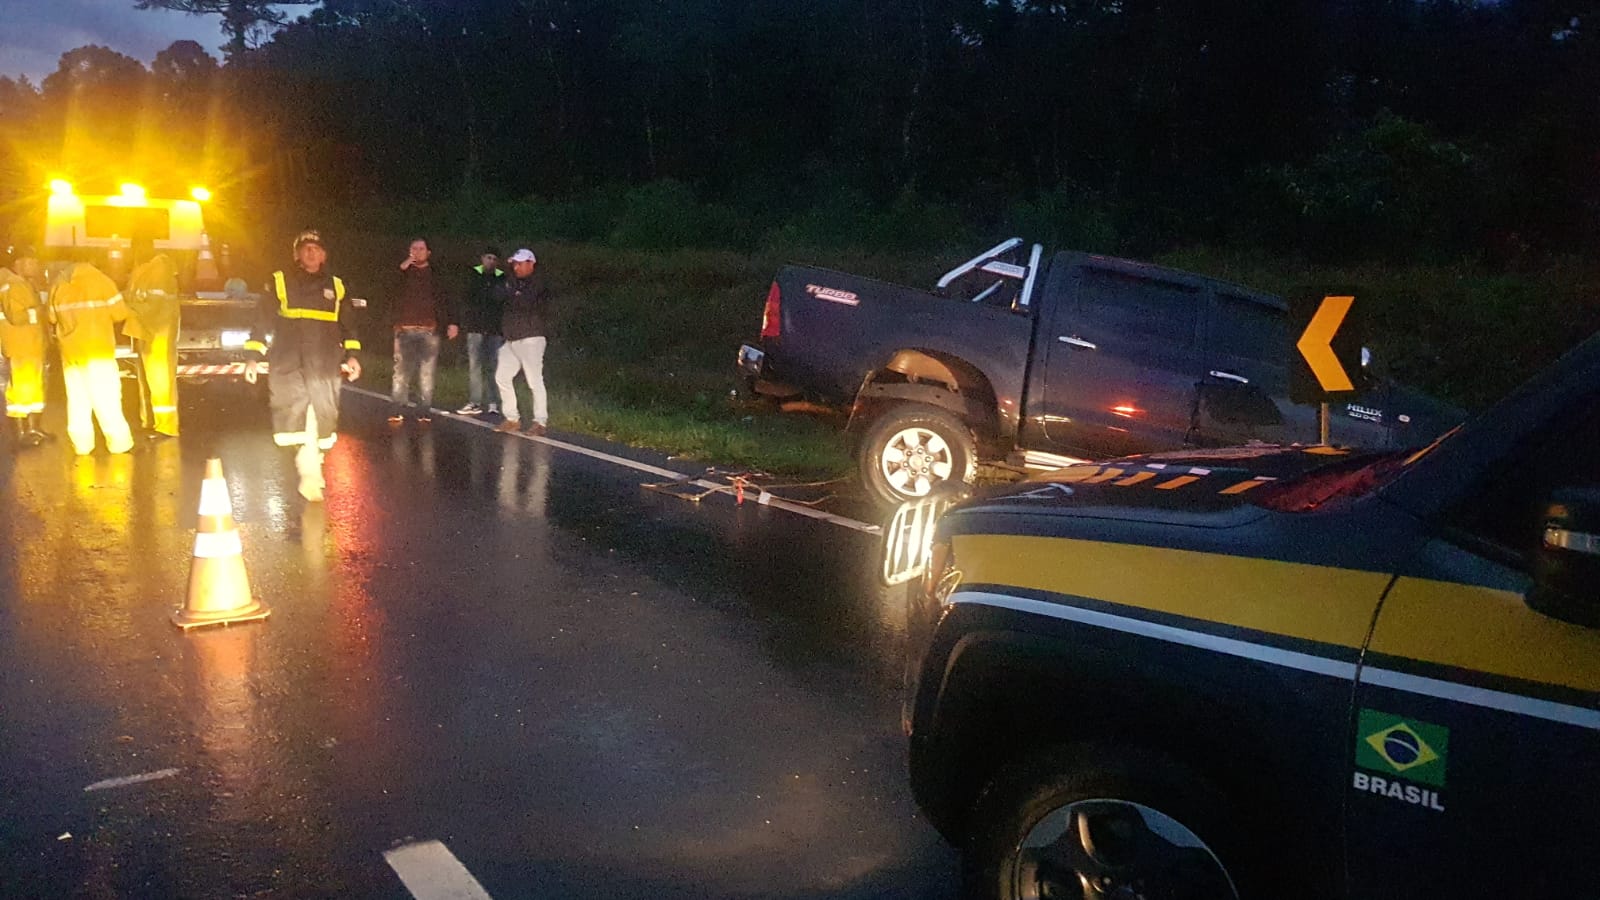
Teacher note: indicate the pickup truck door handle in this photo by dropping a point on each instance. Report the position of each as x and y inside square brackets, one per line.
[1229, 376]
[1078, 342]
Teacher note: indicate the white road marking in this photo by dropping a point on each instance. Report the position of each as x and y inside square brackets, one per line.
[431, 872]
[763, 499]
[131, 779]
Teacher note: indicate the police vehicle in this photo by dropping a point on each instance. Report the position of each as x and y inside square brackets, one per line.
[1277, 672]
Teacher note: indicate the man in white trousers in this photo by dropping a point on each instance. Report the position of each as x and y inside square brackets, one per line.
[526, 304]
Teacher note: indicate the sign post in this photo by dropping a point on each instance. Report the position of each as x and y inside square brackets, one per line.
[1326, 364]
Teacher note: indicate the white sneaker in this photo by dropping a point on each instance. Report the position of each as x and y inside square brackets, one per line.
[494, 409]
[471, 409]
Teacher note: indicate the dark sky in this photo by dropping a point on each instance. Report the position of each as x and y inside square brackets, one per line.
[34, 33]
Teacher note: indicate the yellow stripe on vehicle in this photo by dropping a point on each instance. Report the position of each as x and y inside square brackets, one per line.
[1486, 629]
[1243, 486]
[1106, 474]
[1136, 478]
[1316, 603]
[1178, 482]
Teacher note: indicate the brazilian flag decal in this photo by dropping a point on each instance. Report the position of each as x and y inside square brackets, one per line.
[1393, 745]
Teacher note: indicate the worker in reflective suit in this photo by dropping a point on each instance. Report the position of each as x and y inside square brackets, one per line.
[85, 307]
[153, 310]
[313, 345]
[24, 341]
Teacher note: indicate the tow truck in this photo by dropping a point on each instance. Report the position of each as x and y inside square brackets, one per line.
[216, 318]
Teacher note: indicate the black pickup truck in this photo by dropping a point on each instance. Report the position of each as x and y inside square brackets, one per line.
[1048, 362]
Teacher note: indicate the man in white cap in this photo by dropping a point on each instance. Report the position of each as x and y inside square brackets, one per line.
[525, 303]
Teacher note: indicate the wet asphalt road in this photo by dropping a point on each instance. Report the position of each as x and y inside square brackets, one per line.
[582, 688]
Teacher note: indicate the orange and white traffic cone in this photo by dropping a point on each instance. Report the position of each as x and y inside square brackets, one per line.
[219, 589]
[206, 276]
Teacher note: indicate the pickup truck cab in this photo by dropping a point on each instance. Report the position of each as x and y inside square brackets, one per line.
[1271, 672]
[1042, 361]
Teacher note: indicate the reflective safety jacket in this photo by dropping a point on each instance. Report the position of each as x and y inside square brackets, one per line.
[23, 318]
[85, 306]
[308, 316]
[152, 299]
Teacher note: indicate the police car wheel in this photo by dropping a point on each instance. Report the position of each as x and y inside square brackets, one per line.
[913, 448]
[1087, 825]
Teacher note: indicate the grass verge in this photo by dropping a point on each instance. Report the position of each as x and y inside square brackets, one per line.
[720, 433]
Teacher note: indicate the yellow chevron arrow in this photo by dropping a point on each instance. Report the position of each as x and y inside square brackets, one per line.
[1316, 345]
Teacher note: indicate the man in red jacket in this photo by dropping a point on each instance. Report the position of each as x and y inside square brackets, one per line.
[422, 307]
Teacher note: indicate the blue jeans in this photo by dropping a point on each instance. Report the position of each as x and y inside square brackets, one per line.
[482, 352]
[414, 349]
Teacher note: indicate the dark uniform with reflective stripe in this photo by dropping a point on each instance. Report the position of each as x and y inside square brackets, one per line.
[312, 334]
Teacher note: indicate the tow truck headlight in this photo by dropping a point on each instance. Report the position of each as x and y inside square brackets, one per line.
[233, 340]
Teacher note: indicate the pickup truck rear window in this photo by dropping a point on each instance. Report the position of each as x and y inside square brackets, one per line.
[1139, 307]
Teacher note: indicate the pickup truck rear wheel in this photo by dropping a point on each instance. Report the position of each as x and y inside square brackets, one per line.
[911, 449]
[1075, 823]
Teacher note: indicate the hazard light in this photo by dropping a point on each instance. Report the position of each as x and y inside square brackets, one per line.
[131, 192]
[61, 187]
[200, 194]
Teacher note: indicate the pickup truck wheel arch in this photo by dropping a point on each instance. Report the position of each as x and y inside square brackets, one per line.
[911, 448]
[921, 377]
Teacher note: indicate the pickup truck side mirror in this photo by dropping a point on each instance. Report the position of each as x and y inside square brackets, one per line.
[1566, 565]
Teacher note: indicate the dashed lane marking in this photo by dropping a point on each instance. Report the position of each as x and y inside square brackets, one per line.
[130, 779]
[730, 490]
[431, 872]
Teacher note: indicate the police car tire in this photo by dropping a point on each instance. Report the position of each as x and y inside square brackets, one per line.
[1024, 792]
[954, 432]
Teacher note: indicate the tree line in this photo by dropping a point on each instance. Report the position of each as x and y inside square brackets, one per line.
[1336, 129]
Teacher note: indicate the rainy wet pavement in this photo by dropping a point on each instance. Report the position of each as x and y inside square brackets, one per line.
[581, 688]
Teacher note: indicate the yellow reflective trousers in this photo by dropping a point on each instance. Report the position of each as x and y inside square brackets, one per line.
[153, 313]
[86, 306]
[24, 341]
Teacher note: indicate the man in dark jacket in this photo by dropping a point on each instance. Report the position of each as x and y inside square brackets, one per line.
[313, 343]
[480, 319]
[422, 307]
[523, 325]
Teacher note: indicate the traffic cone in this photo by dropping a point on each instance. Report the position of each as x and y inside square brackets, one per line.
[206, 276]
[219, 589]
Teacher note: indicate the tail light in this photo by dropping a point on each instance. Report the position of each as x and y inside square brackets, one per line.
[770, 325]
